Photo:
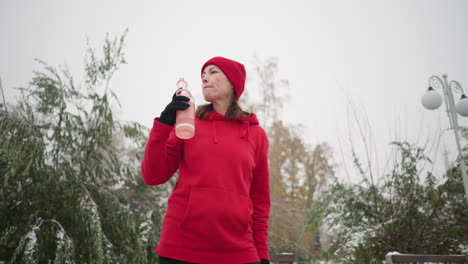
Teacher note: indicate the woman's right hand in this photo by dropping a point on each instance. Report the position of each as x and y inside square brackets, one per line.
[168, 116]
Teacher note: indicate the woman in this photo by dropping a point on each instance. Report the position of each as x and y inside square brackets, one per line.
[220, 205]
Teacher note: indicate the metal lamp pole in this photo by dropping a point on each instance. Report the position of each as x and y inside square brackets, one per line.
[447, 87]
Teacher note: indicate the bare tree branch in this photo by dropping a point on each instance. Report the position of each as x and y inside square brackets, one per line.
[3, 95]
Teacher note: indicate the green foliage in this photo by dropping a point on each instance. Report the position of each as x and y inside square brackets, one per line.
[71, 187]
[407, 213]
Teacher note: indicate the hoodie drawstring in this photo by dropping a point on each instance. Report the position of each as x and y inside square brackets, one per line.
[213, 129]
[245, 130]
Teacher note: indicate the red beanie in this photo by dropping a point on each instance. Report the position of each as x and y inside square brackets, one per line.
[233, 70]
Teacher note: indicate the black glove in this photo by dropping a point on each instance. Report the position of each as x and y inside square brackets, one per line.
[264, 261]
[168, 116]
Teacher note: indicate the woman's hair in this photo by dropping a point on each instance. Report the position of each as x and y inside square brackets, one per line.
[234, 110]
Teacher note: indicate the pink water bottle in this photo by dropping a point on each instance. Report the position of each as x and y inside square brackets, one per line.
[185, 119]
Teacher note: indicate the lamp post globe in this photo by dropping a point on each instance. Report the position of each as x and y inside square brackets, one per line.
[431, 99]
[462, 106]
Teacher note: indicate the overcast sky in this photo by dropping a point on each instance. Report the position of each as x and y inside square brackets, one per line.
[374, 55]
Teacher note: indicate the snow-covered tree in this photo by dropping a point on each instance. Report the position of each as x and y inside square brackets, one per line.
[408, 212]
[71, 190]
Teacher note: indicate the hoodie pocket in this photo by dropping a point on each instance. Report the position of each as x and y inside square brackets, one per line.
[218, 219]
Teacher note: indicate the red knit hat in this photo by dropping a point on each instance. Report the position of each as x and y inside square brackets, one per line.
[233, 70]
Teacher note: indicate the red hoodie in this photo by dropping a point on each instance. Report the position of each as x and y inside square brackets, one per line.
[219, 207]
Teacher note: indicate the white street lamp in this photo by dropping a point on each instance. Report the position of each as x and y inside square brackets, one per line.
[432, 100]
[462, 106]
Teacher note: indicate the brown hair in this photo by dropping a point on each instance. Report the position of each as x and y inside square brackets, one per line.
[234, 110]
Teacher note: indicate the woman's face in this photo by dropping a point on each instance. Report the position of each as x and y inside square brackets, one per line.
[216, 86]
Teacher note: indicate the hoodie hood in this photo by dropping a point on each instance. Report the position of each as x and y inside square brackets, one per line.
[245, 122]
